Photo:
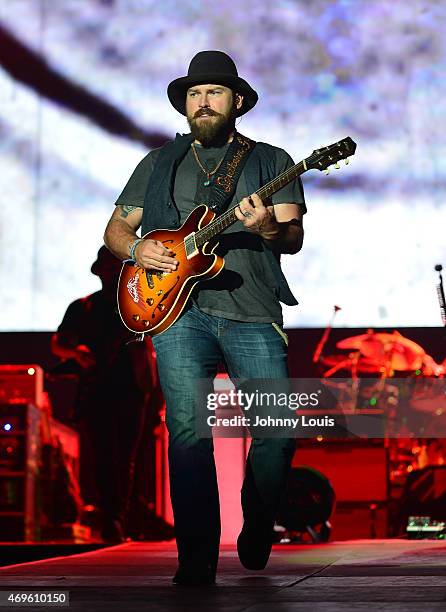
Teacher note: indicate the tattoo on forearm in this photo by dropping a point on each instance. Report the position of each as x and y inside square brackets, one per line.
[126, 210]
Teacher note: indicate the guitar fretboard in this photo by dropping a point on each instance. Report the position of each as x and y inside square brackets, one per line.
[228, 218]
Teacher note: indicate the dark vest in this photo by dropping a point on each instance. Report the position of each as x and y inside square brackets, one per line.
[159, 206]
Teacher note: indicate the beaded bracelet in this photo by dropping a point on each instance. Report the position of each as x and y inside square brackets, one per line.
[133, 248]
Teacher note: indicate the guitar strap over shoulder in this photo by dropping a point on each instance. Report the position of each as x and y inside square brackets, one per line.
[159, 210]
[225, 181]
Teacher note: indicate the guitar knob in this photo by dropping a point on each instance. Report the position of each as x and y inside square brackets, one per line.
[337, 166]
[150, 301]
[161, 307]
[327, 171]
[347, 161]
[145, 323]
[160, 292]
[136, 317]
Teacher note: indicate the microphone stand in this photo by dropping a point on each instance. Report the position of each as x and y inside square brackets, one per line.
[322, 342]
[440, 291]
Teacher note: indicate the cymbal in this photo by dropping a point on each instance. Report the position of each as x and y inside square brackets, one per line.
[393, 351]
[432, 368]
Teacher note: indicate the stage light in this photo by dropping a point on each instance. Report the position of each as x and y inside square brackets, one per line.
[7, 426]
[31, 371]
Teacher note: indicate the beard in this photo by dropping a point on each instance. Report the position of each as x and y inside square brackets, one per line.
[212, 132]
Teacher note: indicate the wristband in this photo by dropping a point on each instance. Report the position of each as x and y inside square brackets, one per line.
[133, 248]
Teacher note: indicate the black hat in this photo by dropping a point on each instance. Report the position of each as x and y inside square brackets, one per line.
[105, 262]
[211, 67]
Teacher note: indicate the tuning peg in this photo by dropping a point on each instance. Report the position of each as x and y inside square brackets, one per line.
[337, 166]
[347, 161]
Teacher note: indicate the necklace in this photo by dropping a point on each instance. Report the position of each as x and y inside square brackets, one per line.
[207, 182]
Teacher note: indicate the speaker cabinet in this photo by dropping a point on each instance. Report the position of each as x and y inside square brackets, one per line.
[20, 455]
[358, 473]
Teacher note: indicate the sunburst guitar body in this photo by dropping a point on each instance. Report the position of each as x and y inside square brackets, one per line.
[150, 302]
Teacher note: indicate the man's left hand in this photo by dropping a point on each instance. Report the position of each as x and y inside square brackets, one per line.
[256, 217]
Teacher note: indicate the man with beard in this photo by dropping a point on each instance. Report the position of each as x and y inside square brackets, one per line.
[234, 318]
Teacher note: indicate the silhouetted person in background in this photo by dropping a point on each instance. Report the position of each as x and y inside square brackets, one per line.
[118, 397]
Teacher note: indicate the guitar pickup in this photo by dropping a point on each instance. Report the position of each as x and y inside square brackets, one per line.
[190, 246]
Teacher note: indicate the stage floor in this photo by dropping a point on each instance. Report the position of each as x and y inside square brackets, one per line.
[401, 575]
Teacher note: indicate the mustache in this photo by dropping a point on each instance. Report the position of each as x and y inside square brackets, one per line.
[206, 111]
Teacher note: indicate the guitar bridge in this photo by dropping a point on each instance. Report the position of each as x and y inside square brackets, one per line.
[150, 280]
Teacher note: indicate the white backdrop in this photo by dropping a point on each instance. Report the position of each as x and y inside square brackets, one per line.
[324, 69]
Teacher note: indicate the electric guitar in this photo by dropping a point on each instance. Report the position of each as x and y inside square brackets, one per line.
[151, 301]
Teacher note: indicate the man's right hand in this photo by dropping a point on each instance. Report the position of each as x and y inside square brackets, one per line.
[153, 255]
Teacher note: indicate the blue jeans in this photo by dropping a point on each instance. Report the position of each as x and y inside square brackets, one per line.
[192, 349]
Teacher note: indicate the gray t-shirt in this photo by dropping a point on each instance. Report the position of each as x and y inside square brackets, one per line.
[246, 289]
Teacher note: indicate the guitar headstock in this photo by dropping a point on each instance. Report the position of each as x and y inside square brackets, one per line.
[324, 157]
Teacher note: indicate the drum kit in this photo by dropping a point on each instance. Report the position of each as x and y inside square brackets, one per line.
[382, 354]
[384, 359]
[392, 378]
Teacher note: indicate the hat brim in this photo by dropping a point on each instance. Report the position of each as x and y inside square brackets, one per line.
[105, 262]
[177, 89]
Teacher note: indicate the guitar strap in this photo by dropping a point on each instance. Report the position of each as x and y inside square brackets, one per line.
[225, 180]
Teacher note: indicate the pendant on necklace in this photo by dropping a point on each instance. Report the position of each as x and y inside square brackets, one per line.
[207, 183]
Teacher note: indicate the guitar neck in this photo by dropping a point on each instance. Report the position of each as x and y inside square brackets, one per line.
[228, 218]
